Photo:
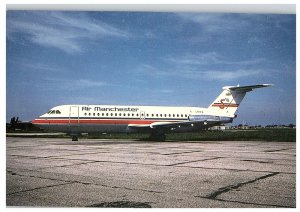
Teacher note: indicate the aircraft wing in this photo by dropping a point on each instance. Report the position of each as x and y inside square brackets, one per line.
[170, 125]
[176, 124]
[194, 121]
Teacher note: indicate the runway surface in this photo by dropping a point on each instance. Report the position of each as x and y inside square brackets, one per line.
[125, 173]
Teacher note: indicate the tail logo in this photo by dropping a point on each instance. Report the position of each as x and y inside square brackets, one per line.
[222, 106]
[224, 103]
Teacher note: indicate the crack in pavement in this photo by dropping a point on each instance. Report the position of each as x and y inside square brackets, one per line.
[228, 188]
[257, 161]
[178, 153]
[157, 165]
[277, 150]
[192, 161]
[61, 157]
[67, 165]
[54, 156]
[70, 182]
[232, 169]
[33, 189]
[252, 203]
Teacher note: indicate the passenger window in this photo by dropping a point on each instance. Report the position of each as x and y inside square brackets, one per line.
[102, 114]
[128, 114]
[111, 114]
[106, 114]
[173, 115]
[85, 114]
[120, 114]
[93, 114]
[89, 114]
[181, 115]
[124, 114]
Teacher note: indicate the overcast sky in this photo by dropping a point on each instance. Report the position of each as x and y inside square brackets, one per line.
[176, 59]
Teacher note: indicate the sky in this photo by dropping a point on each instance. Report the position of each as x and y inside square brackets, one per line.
[144, 58]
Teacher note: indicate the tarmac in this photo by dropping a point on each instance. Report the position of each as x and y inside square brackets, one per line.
[53, 172]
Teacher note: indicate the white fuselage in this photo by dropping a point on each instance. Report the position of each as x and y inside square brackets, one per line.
[76, 119]
[112, 118]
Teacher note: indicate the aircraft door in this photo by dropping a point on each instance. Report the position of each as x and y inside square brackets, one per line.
[74, 116]
[142, 115]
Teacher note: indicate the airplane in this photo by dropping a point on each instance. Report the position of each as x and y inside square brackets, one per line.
[155, 120]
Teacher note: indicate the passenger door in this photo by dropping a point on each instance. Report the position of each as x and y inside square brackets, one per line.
[74, 116]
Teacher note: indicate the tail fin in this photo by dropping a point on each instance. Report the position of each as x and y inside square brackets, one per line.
[229, 100]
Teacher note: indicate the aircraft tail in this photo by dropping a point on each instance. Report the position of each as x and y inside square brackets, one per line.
[229, 100]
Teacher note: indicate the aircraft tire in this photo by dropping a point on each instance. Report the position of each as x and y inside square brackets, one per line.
[74, 138]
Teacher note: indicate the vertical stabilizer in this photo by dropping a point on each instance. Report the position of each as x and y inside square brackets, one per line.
[227, 103]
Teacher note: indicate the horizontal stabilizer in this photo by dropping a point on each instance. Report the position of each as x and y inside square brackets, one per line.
[246, 88]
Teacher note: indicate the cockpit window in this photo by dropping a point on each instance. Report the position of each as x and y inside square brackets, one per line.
[54, 112]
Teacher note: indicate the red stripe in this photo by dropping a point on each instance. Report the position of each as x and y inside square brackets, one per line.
[224, 105]
[96, 121]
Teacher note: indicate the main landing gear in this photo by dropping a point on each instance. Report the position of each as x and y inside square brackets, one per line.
[74, 138]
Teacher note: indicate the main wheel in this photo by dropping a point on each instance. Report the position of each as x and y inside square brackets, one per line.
[74, 138]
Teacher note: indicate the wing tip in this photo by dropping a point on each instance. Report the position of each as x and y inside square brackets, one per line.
[268, 85]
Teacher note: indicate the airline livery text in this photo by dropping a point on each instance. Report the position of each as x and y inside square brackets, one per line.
[113, 109]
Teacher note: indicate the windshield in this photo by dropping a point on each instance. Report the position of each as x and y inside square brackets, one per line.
[54, 112]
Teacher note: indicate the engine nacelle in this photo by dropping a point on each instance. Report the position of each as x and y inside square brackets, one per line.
[204, 118]
[208, 118]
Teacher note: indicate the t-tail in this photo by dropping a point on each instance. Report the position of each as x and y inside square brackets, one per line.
[230, 99]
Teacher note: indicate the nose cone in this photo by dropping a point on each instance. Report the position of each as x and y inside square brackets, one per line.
[34, 121]
[44, 115]
[41, 119]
